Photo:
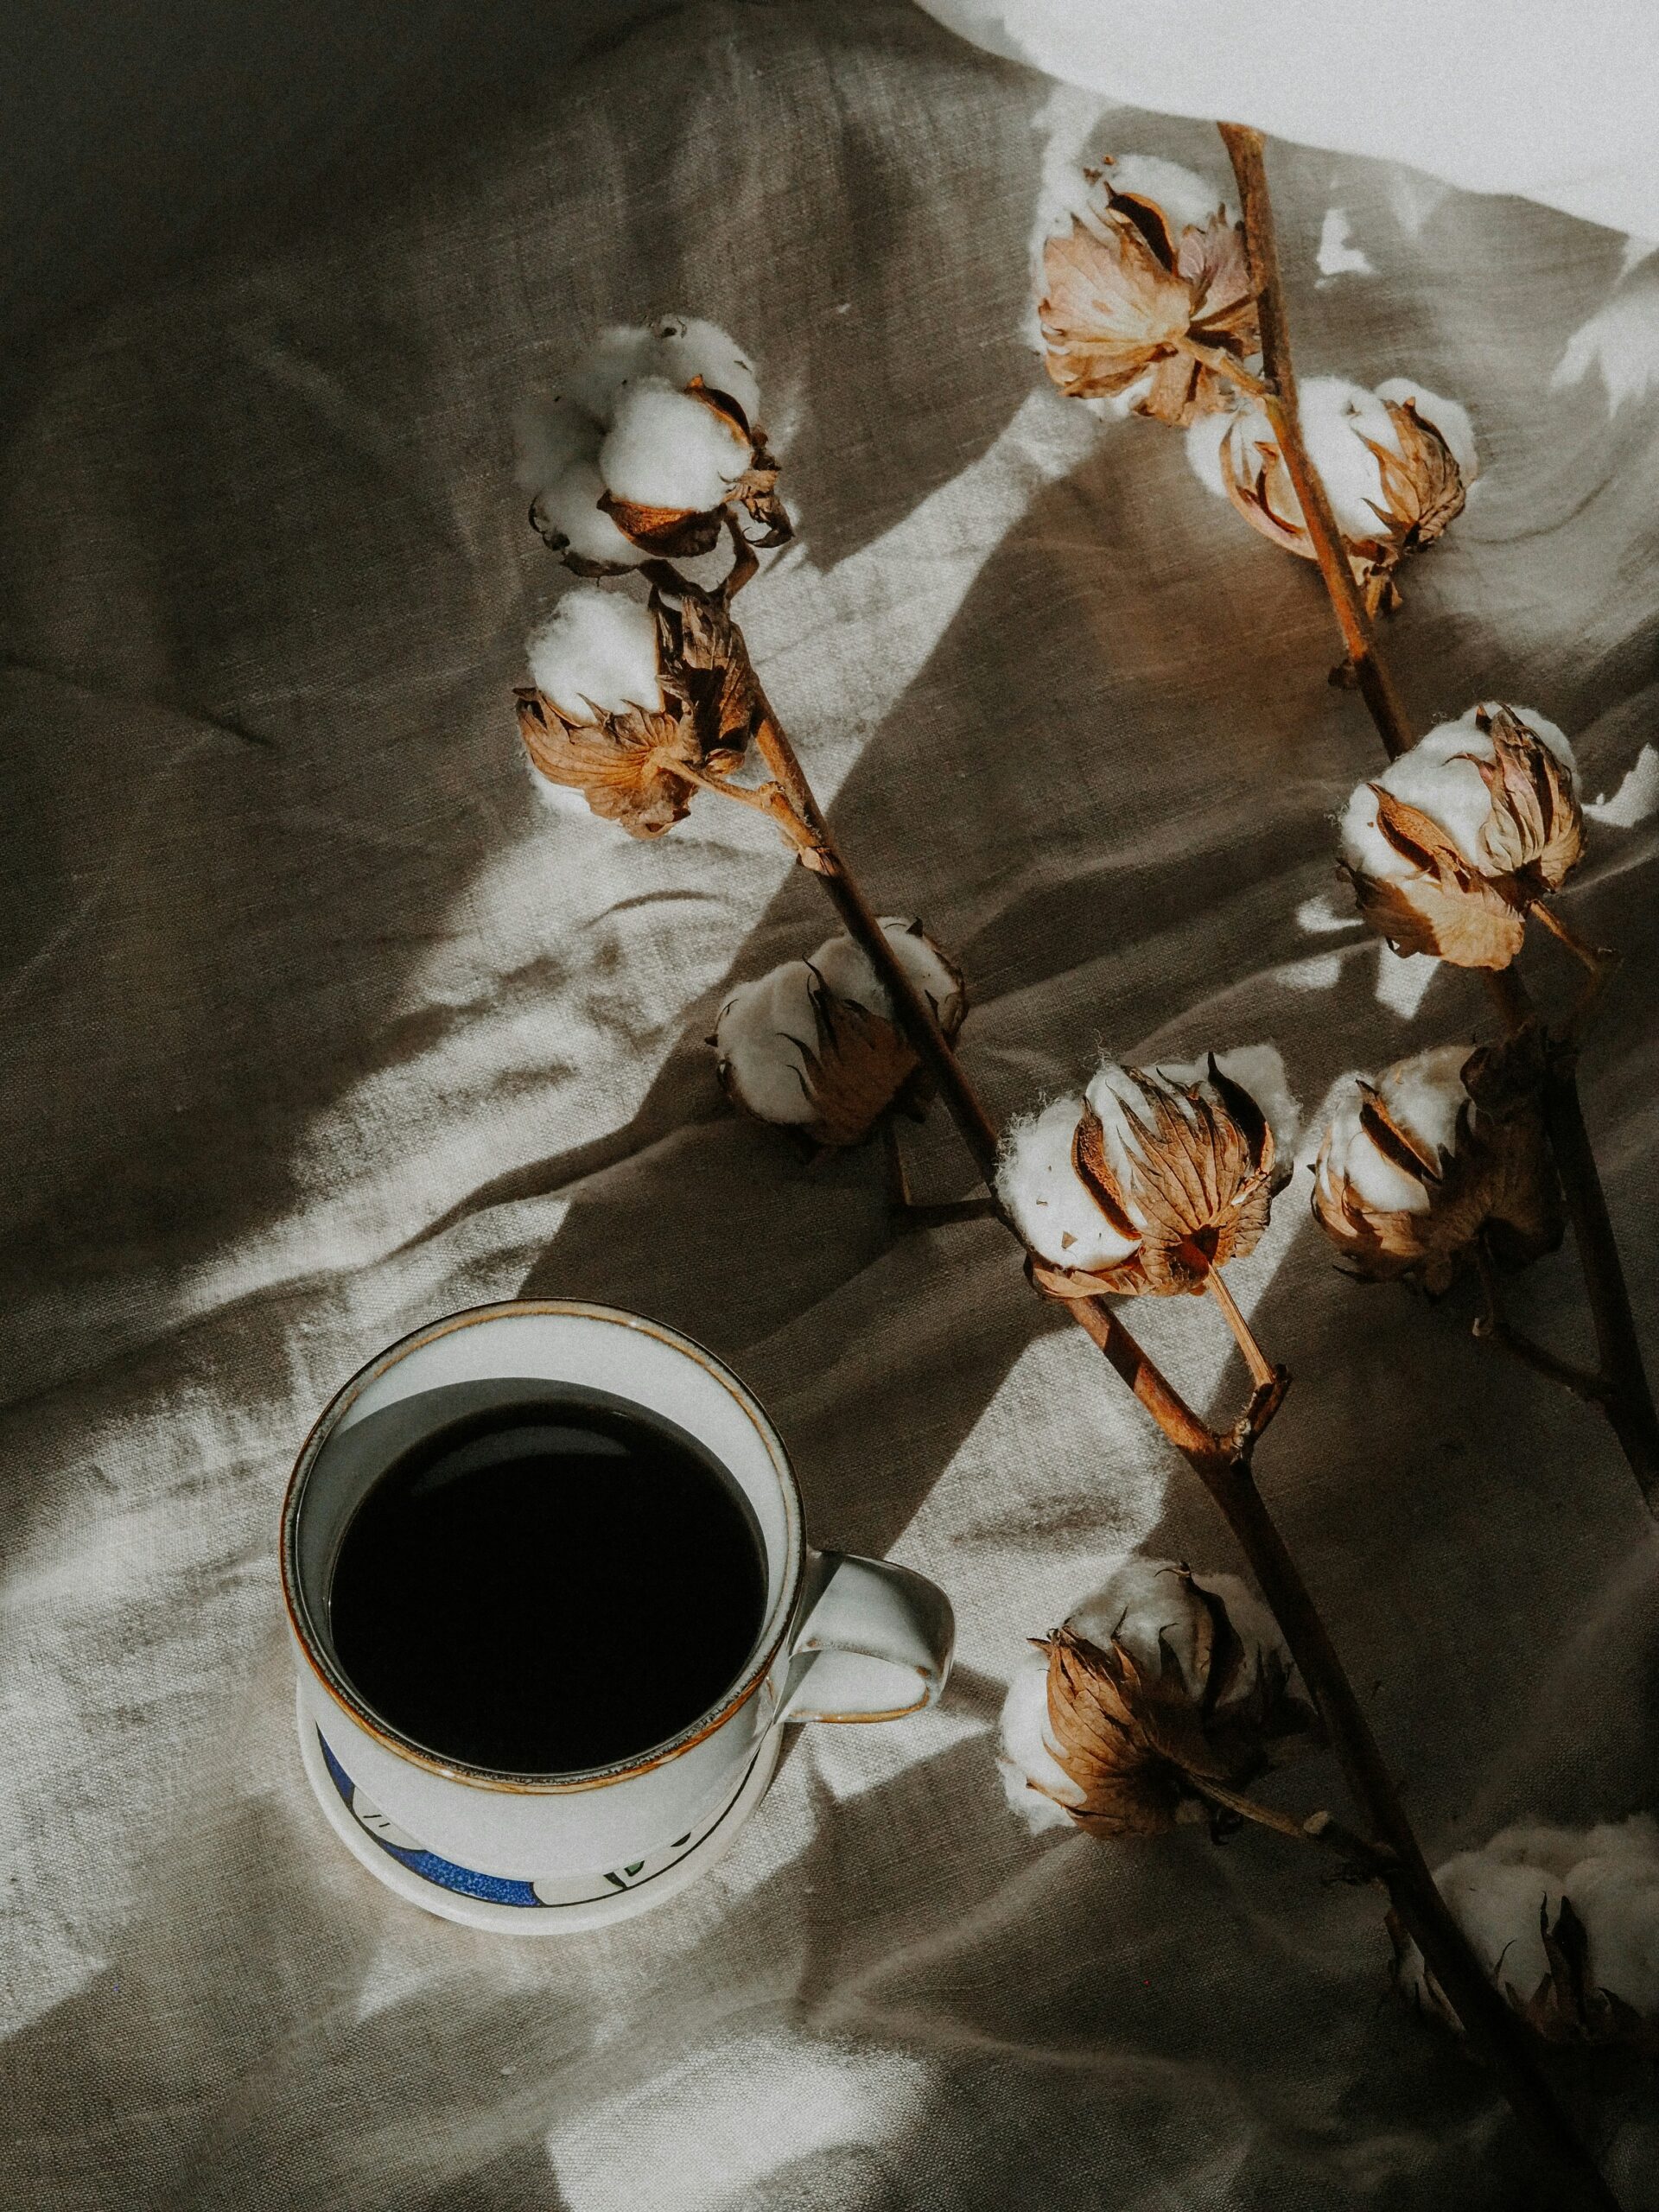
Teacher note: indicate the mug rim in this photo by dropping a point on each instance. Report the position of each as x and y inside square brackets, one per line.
[337, 1685]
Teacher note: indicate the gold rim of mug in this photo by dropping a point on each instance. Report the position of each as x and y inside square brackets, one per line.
[374, 1724]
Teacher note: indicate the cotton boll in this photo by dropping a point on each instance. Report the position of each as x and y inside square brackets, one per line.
[597, 650]
[1448, 417]
[1441, 777]
[1187, 199]
[668, 449]
[1337, 419]
[1498, 1907]
[1051, 1207]
[624, 352]
[687, 346]
[1426, 1095]
[1351, 1156]
[569, 508]
[1033, 1779]
[1617, 1897]
[763, 1034]
[1144, 1600]
[767, 1027]
[1609, 1874]
[846, 970]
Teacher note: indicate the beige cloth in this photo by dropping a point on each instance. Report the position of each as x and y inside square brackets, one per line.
[318, 1025]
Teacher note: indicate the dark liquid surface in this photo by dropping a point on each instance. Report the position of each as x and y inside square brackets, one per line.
[547, 1586]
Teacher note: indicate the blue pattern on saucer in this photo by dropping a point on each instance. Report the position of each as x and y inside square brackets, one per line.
[494, 1889]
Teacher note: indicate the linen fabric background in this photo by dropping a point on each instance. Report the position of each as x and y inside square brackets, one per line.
[319, 1024]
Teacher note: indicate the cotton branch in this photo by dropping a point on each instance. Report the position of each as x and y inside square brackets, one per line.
[1222, 1464]
[1626, 1397]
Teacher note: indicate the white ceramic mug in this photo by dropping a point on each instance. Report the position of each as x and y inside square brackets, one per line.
[841, 1639]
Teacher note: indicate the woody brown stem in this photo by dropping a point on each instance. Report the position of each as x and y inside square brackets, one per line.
[1278, 403]
[1260, 1367]
[1222, 1464]
[1627, 1403]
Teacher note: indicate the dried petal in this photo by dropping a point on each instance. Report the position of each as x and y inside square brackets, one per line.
[1423, 492]
[623, 764]
[1446, 907]
[1535, 834]
[1125, 296]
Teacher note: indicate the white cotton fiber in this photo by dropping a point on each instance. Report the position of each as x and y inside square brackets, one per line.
[765, 1026]
[1259, 1069]
[623, 352]
[763, 1034]
[551, 434]
[1424, 1095]
[1449, 418]
[1187, 199]
[687, 346]
[1440, 778]
[597, 648]
[1337, 419]
[1205, 438]
[1140, 1601]
[569, 507]
[848, 972]
[668, 449]
[1033, 1779]
[1051, 1206]
[1610, 1874]
[1144, 1599]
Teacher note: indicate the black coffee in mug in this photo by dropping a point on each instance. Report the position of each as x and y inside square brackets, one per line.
[557, 1583]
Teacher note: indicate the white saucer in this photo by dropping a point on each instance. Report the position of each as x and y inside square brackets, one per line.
[559, 1907]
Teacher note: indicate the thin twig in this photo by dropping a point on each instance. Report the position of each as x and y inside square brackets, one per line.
[1628, 1402]
[1224, 364]
[1260, 1367]
[1362, 1856]
[1493, 1324]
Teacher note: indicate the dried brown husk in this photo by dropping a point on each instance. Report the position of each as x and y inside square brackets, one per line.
[681, 533]
[1422, 493]
[1141, 1741]
[857, 1068]
[627, 766]
[1533, 837]
[1125, 292]
[1203, 1178]
[1447, 906]
[1569, 2007]
[1496, 1185]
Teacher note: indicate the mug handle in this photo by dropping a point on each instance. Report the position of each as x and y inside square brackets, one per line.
[872, 1642]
